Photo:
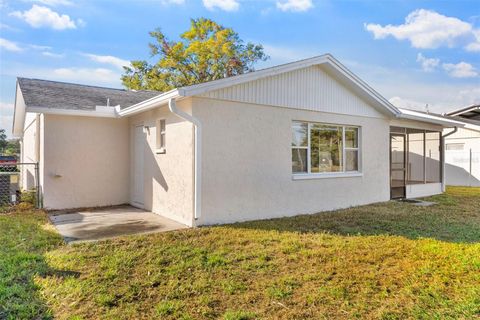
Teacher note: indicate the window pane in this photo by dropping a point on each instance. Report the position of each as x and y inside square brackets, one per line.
[397, 152]
[160, 134]
[432, 149]
[415, 166]
[326, 149]
[299, 160]
[299, 134]
[351, 160]
[455, 146]
[351, 138]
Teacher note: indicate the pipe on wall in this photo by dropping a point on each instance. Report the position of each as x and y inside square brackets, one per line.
[455, 129]
[197, 154]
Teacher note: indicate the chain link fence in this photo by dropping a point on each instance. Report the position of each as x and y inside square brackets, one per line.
[19, 183]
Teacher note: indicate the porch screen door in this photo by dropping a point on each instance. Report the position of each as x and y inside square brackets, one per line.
[398, 170]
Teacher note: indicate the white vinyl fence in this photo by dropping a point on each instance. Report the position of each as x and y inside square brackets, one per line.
[462, 168]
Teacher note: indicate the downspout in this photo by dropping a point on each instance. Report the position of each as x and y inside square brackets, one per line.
[197, 155]
[455, 129]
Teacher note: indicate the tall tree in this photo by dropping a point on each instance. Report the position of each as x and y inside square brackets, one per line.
[207, 51]
[3, 140]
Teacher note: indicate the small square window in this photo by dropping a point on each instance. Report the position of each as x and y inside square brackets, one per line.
[160, 130]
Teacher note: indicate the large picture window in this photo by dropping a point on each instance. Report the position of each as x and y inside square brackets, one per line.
[324, 148]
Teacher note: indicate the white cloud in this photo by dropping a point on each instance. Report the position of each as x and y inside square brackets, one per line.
[39, 16]
[408, 104]
[475, 45]
[294, 5]
[428, 64]
[86, 75]
[416, 91]
[114, 61]
[54, 3]
[9, 45]
[53, 55]
[7, 27]
[226, 5]
[168, 2]
[428, 29]
[460, 70]
[469, 97]
[40, 47]
[279, 54]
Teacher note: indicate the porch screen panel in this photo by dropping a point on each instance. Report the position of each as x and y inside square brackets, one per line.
[416, 160]
[432, 156]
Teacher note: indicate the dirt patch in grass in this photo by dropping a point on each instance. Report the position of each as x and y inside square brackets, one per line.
[384, 261]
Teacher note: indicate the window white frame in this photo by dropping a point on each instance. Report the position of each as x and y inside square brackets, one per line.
[454, 146]
[160, 130]
[343, 173]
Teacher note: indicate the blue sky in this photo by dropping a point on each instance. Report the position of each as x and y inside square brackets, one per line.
[413, 52]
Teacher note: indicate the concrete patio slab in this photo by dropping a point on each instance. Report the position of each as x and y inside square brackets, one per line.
[112, 222]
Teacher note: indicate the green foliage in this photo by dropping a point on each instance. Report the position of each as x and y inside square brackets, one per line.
[239, 315]
[207, 51]
[12, 147]
[3, 140]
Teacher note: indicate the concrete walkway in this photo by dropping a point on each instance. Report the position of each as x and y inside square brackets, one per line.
[110, 222]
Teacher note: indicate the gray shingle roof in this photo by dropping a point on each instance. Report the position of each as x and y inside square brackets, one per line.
[61, 95]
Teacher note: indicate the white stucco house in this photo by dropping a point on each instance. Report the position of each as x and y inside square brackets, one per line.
[462, 149]
[298, 138]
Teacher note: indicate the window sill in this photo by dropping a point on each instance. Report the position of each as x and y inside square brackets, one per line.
[308, 176]
[161, 151]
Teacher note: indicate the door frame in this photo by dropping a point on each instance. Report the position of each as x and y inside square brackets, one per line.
[404, 135]
[134, 164]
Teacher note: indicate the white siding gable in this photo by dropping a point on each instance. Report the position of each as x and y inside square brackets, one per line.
[309, 88]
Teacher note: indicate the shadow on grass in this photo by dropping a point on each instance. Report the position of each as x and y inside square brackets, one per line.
[24, 243]
[454, 218]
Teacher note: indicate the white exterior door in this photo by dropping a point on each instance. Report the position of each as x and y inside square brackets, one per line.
[138, 162]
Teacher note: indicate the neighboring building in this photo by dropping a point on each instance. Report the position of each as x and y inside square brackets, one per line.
[298, 138]
[462, 149]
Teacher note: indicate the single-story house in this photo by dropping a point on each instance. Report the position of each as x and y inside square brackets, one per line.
[298, 138]
[462, 149]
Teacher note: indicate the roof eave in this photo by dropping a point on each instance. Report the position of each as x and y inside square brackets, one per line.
[433, 120]
[101, 112]
[19, 112]
[151, 103]
[464, 110]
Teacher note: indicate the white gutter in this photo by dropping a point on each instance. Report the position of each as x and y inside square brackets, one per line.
[429, 118]
[150, 103]
[197, 155]
[455, 129]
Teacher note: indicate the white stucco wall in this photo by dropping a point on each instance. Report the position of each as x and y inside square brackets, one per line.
[85, 162]
[462, 167]
[423, 190]
[168, 177]
[246, 165]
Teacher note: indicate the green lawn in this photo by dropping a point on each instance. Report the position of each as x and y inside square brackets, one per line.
[384, 261]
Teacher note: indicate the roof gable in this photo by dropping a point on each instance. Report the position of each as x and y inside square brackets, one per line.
[327, 61]
[309, 88]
